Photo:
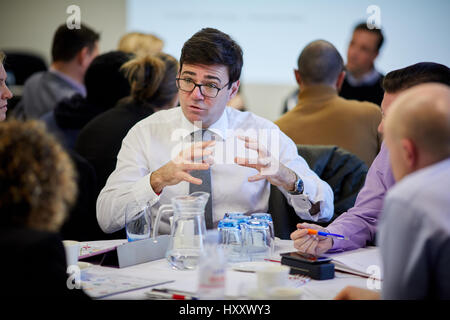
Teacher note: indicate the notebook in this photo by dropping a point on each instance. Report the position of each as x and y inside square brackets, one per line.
[365, 262]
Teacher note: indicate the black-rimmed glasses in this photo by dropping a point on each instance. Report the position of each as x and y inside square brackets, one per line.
[208, 90]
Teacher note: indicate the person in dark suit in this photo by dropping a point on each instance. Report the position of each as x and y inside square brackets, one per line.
[363, 82]
[37, 187]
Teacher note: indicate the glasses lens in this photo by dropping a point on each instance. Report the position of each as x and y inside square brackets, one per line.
[189, 86]
[209, 91]
[186, 85]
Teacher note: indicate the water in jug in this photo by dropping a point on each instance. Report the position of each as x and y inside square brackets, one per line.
[187, 231]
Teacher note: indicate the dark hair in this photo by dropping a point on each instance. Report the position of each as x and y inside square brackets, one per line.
[210, 46]
[363, 26]
[320, 62]
[415, 74]
[68, 42]
[152, 79]
[105, 82]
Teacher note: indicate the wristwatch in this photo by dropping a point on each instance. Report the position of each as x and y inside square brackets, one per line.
[298, 187]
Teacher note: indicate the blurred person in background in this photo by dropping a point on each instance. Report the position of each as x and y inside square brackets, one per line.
[105, 85]
[362, 81]
[140, 44]
[72, 52]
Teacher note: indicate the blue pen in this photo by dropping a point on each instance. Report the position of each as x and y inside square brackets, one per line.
[326, 234]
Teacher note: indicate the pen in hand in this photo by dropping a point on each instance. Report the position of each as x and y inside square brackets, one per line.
[326, 234]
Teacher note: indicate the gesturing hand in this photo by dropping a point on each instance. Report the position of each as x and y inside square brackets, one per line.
[195, 157]
[268, 166]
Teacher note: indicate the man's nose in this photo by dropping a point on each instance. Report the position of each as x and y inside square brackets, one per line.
[197, 94]
[6, 93]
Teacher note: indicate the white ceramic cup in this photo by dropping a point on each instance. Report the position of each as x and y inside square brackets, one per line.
[272, 276]
[72, 249]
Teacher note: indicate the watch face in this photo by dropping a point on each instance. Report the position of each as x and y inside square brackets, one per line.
[300, 185]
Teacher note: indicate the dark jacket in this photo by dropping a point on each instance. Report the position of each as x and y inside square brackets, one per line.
[343, 171]
[100, 141]
[34, 265]
[69, 117]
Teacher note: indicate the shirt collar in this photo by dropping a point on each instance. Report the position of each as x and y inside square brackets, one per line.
[77, 86]
[369, 78]
[317, 92]
[219, 128]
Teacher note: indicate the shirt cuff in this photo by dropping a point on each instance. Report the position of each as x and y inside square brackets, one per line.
[143, 191]
[338, 244]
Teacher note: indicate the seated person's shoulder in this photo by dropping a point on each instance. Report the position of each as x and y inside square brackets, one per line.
[159, 119]
[364, 107]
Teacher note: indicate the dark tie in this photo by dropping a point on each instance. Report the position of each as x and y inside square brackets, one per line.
[205, 176]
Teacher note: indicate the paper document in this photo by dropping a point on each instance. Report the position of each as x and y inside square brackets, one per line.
[364, 262]
[98, 283]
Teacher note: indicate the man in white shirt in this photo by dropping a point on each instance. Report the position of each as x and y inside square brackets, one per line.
[156, 161]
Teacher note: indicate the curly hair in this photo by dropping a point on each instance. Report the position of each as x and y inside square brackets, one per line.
[37, 177]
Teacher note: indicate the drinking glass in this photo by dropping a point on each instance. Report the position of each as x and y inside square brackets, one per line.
[231, 239]
[268, 218]
[137, 221]
[258, 241]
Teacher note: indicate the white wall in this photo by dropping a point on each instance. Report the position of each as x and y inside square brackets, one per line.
[30, 25]
[272, 33]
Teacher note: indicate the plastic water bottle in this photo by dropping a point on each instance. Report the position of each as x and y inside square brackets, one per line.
[212, 269]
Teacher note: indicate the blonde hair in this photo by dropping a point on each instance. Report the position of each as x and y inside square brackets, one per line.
[37, 177]
[140, 44]
[2, 57]
[152, 78]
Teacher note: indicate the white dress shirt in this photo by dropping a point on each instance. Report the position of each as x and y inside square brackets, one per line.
[157, 139]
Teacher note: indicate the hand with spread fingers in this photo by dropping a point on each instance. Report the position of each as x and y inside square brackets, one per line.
[268, 166]
[198, 156]
[312, 244]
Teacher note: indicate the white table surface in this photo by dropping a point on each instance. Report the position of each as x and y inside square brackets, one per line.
[237, 283]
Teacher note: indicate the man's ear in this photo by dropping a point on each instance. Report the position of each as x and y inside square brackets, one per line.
[83, 55]
[297, 76]
[234, 89]
[410, 155]
[340, 80]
